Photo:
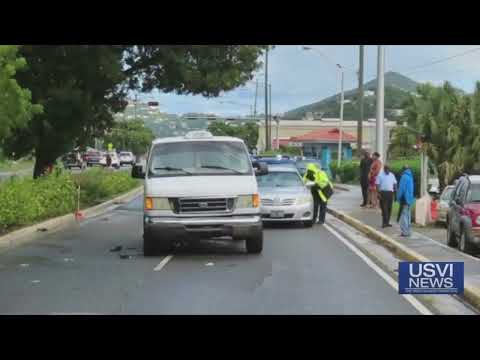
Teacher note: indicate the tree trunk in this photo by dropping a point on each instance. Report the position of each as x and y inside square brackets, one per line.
[41, 165]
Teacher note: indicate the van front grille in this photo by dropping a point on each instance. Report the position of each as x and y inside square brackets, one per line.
[205, 205]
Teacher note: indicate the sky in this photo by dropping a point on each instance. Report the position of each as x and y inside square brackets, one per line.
[300, 77]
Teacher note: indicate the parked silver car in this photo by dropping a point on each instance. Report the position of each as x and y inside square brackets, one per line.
[284, 197]
[444, 203]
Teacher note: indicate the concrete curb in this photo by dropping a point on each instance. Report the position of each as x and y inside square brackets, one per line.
[26, 234]
[471, 293]
[340, 187]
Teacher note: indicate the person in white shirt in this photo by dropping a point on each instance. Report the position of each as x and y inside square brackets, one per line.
[386, 187]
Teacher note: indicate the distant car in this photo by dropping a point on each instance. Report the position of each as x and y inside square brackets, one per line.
[444, 203]
[93, 158]
[73, 160]
[277, 161]
[126, 157]
[115, 160]
[284, 197]
[463, 217]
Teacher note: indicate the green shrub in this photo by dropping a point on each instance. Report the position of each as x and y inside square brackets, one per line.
[99, 184]
[348, 171]
[25, 201]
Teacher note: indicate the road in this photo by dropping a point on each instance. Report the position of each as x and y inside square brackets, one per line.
[301, 271]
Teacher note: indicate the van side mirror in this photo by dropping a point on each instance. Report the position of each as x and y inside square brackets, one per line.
[261, 168]
[138, 172]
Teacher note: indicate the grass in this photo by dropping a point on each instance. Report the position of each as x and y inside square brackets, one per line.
[12, 166]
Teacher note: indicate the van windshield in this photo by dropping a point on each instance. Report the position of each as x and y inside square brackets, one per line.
[199, 158]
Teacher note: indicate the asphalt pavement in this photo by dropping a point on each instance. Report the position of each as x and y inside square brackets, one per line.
[300, 271]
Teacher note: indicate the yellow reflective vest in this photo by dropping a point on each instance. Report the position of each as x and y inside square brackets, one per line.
[321, 179]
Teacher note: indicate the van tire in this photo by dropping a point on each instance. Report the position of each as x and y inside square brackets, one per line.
[149, 248]
[254, 244]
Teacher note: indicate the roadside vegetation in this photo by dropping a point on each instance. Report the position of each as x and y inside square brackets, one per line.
[26, 201]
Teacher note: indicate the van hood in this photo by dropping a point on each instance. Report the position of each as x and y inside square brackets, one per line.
[193, 186]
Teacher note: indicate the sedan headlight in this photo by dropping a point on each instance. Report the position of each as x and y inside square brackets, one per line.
[248, 201]
[156, 203]
[304, 200]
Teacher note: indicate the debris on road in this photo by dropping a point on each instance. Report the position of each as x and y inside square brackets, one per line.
[116, 248]
[35, 281]
[68, 259]
[42, 229]
[24, 265]
[209, 264]
[126, 256]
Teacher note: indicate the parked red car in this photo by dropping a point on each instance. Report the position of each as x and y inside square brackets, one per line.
[463, 217]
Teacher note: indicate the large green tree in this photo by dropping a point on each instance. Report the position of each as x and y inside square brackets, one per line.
[16, 108]
[248, 132]
[450, 122]
[82, 86]
[130, 135]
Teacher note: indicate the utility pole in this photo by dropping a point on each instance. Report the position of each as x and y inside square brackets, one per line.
[341, 118]
[255, 102]
[270, 112]
[380, 103]
[360, 101]
[267, 135]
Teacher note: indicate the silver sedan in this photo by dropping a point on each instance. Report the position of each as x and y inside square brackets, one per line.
[284, 197]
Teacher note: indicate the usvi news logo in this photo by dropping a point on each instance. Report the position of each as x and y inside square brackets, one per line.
[430, 277]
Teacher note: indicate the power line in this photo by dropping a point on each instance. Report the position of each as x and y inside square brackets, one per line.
[419, 67]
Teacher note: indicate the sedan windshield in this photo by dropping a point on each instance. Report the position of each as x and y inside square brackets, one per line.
[199, 158]
[279, 179]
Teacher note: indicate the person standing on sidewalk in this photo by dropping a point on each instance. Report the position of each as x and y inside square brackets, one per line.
[405, 197]
[386, 183]
[365, 165]
[375, 169]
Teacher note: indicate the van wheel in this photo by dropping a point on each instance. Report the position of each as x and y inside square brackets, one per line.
[451, 238]
[149, 248]
[465, 245]
[254, 244]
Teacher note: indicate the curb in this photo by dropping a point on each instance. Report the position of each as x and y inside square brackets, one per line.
[23, 235]
[471, 293]
[340, 187]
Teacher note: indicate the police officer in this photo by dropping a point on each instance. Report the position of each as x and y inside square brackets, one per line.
[320, 178]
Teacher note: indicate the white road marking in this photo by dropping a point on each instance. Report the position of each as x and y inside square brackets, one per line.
[163, 263]
[414, 302]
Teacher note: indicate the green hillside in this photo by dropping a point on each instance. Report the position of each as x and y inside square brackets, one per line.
[397, 89]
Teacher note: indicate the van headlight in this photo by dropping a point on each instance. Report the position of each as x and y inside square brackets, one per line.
[157, 203]
[304, 200]
[248, 201]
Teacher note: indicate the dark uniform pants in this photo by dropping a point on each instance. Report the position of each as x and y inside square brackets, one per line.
[364, 185]
[386, 202]
[319, 208]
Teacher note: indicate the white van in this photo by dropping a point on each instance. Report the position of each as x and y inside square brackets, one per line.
[200, 186]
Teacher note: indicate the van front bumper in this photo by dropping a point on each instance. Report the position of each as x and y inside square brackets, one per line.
[176, 228]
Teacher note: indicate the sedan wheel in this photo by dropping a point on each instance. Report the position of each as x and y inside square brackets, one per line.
[464, 245]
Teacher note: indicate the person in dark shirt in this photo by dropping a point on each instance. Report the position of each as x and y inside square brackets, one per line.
[365, 165]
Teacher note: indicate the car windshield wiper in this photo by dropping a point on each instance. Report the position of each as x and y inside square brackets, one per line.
[221, 168]
[168, 168]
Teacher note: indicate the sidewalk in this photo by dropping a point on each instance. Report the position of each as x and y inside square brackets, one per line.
[425, 241]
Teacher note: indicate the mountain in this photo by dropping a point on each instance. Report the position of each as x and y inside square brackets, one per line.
[397, 89]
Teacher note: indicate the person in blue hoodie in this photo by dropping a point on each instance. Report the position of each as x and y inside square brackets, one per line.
[405, 197]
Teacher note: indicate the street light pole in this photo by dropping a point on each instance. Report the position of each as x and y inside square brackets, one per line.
[270, 111]
[341, 118]
[255, 103]
[267, 135]
[380, 103]
[360, 96]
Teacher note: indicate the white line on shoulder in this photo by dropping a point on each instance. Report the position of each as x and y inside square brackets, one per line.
[163, 263]
[414, 302]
